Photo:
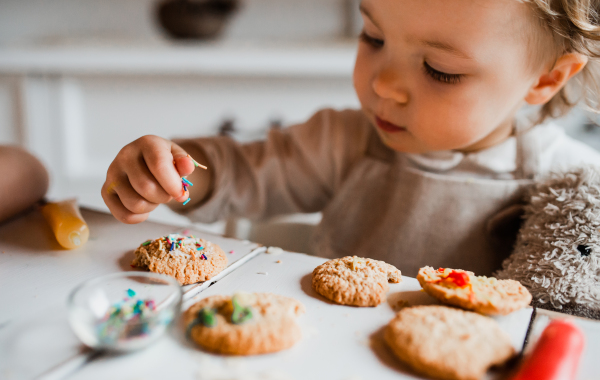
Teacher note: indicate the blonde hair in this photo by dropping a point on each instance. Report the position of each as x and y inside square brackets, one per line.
[574, 27]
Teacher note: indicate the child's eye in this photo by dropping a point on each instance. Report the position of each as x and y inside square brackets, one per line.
[440, 76]
[376, 43]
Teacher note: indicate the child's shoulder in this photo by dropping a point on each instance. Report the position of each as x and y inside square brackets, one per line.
[559, 151]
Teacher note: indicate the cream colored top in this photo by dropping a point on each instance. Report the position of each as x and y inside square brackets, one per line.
[335, 163]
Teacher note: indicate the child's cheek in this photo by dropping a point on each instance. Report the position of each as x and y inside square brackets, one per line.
[446, 125]
[361, 78]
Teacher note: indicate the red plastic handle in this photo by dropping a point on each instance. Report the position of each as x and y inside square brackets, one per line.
[556, 354]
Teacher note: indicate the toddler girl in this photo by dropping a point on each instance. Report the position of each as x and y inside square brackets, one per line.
[431, 169]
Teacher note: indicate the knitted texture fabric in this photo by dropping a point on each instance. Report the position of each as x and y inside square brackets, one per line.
[557, 254]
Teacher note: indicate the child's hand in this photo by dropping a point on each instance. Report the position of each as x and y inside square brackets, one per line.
[145, 173]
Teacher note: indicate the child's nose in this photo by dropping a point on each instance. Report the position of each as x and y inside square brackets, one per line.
[388, 85]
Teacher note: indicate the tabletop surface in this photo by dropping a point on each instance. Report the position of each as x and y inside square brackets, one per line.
[339, 342]
[36, 273]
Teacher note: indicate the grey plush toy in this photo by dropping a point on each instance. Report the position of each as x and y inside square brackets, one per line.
[557, 253]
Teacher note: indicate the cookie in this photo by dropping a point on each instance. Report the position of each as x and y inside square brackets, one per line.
[245, 324]
[447, 343]
[485, 295]
[186, 258]
[354, 281]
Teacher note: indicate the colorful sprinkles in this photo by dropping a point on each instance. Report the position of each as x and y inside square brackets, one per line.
[196, 164]
[129, 318]
[187, 245]
[185, 182]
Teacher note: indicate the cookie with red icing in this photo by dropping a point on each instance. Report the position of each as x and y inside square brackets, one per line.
[485, 295]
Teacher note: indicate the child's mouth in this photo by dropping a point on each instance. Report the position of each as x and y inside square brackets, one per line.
[387, 126]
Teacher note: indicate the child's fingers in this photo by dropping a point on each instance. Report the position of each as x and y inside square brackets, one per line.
[144, 183]
[116, 208]
[183, 163]
[159, 160]
[132, 200]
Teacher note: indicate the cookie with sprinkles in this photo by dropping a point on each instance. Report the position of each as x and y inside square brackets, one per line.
[354, 281]
[485, 295]
[245, 323]
[187, 258]
[447, 343]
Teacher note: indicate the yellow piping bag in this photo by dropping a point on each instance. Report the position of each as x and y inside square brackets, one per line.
[66, 222]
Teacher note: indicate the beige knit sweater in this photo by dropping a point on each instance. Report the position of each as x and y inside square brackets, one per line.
[336, 163]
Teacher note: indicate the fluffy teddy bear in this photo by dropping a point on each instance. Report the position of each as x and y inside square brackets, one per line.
[557, 253]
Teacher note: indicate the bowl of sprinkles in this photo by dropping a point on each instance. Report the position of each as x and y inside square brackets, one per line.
[124, 311]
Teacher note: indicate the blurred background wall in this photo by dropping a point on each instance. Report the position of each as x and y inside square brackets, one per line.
[79, 79]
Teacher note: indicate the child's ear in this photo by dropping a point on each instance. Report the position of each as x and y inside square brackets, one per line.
[550, 83]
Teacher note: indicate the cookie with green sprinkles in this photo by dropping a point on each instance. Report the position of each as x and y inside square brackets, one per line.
[187, 258]
[245, 323]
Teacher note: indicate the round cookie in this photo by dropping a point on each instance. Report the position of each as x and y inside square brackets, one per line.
[186, 258]
[447, 343]
[485, 295]
[245, 324]
[354, 281]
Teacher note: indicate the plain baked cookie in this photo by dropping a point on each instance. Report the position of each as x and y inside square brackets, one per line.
[186, 258]
[447, 343]
[245, 324]
[354, 280]
[486, 295]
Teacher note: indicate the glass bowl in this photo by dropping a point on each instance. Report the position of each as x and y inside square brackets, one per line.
[124, 311]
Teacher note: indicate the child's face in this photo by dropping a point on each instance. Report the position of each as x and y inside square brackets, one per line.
[443, 74]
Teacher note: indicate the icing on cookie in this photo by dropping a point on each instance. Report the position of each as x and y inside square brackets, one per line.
[462, 288]
[458, 278]
[207, 317]
[242, 311]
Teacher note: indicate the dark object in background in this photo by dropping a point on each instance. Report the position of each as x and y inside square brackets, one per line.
[226, 128]
[195, 19]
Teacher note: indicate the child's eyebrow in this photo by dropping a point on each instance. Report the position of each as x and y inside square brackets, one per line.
[445, 47]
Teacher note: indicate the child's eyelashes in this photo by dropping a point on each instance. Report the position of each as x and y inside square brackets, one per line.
[440, 76]
[376, 43]
[433, 73]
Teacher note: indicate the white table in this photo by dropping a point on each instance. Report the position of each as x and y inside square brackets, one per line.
[36, 276]
[339, 342]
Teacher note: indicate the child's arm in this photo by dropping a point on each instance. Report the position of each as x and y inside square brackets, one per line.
[146, 173]
[295, 170]
[24, 181]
